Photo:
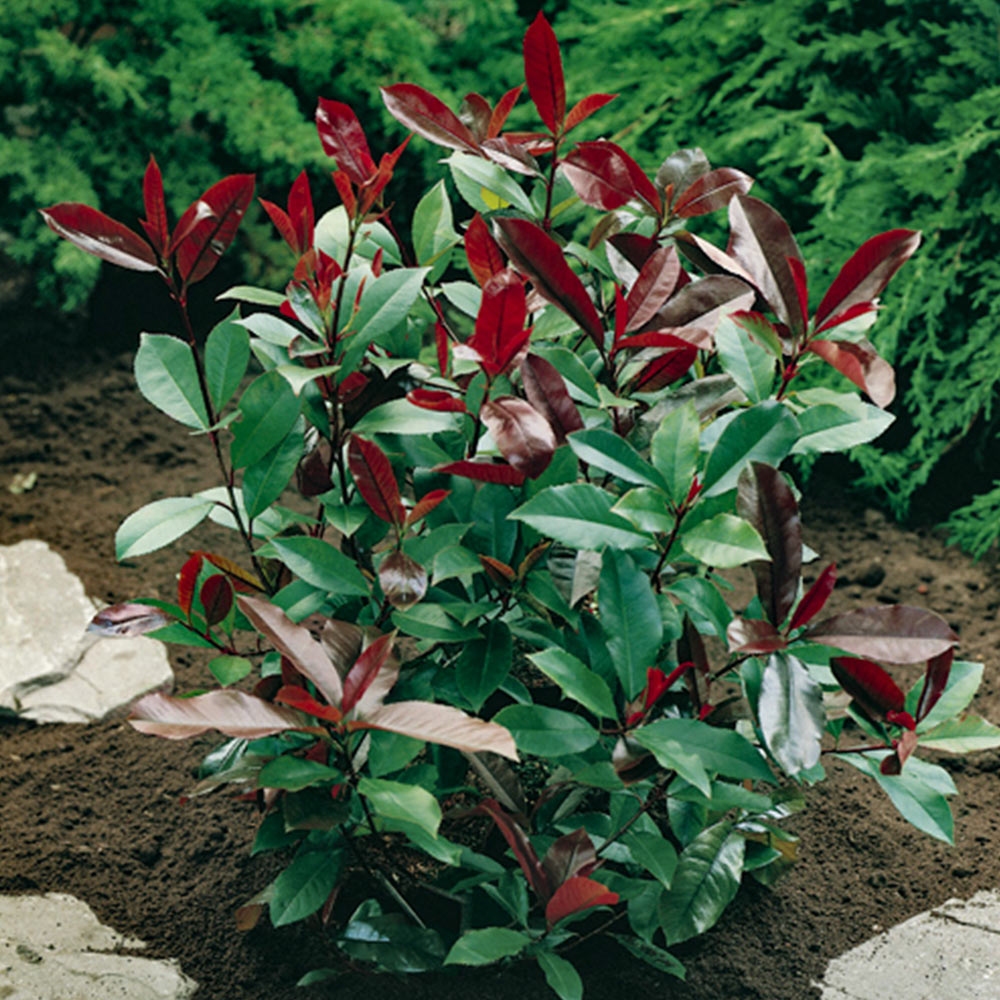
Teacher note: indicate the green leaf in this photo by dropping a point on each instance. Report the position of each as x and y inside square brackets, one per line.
[580, 382]
[484, 663]
[749, 364]
[631, 619]
[158, 524]
[254, 295]
[546, 732]
[659, 959]
[230, 669]
[577, 681]
[962, 736]
[227, 353]
[454, 561]
[655, 853]
[579, 515]
[265, 480]
[606, 450]
[562, 978]
[473, 173]
[320, 564]
[304, 886]
[701, 599]
[647, 509]
[721, 751]
[490, 944]
[837, 421]
[167, 376]
[268, 411]
[963, 682]
[400, 416]
[724, 541]
[295, 773]
[674, 450]
[390, 941]
[763, 433]
[791, 714]
[706, 880]
[396, 801]
[272, 330]
[672, 755]
[920, 801]
[434, 229]
[430, 621]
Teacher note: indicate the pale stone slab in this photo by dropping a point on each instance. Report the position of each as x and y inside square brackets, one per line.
[51, 669]
[949, 953]
[53, 947]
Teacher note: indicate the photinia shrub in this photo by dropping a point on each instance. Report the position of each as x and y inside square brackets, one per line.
[474, 610]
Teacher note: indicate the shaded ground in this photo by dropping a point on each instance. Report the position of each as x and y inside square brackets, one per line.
[94, 810]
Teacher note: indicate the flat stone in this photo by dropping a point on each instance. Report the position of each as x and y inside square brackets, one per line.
[51, 668]
[53, 947]
[949, 953]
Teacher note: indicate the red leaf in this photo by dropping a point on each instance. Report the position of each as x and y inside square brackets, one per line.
[703, 303]
[851, 312]
[233, 713]
[511, 156]
[766, 501]
[298, 698]
[475, 113]
[343, 138]
[762, 243]
[441, 347]
[671, 365]
[346, 191]
[544, 74]
[503, 109]
[243, 581]
[122, 621]
[425, 505]
[709, 258]
[584, 108]
[862, 364]
[155, 223]
[815, 597]
[403, 580]
[375, 479]
[499, 571]
[440, 724]
[216, 598]
[904, 746]
[484, 472]
[653, 286]
[518, 842]
[868, 271]
[522, 434]
[712, 191]
[424, 114]
[896, 633]
[547, 393]
[657, 684]
[209, 226]
[635, 248]
[300, 211]
[571, 855]
[801, 288]
[935, 681]
[436, 399]
[574, 896]
[281, 222]
[537, 256]
[500, 332]
[868, 684]
[606, 177]
[186, 580]
[386, 165]
[482, 251]
[100, 235]
[366, 668]
[751, 635]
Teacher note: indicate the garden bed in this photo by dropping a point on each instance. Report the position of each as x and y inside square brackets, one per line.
[95, 811]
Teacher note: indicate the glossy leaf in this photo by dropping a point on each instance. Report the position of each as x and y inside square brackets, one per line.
[122, 621]
[672, 363]
[205, 231]
[868, 684]
[896, 633]
[935, 681]
[395, 800]
[304, 886]
[425, 505]
[519, 843]
[723, 541]
[579, 515]
[317, 562]
[791, 714]
[651, 289]
[750, 365]
[301, 700]
[814, 598]
[576, 895]
[243, 580]
[674, 450]
[227, 669]
[268, 410]
[484, 472]
[702, 304]
[365, 670]
[429, 117]
[721, 751]
[344, 139]
[546, 391]
[100, 235]
[577, 681]
[962, 736]
[681, 169]
[570, 856]
[500, 332]
[537, 256]
[233, 713]
[442, 724]
[403, 580]
[227, 354]
[265, 481]
[606, 177]
[585, 107]
[766, 501]
[482, 251]
[867, 272]
[647, 510]
[707, 878]
[167, 376]
[484, 664]
[655, 957]
[655, 853]
[751, 635]
[560, 975]
[711, 191]
[155, 224]
[486, 945]
[294, 773]
[216, 598]
[375, 479]
[604, 449]
[860, 363]
[158, 524]
[547, 732]
[186, 580]
[544, 74]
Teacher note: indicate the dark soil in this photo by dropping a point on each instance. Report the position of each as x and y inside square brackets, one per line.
[95, 811]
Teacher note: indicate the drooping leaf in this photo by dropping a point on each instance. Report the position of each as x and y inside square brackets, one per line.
[396, 800]
[100, 235]
[765, 499]
[655, 853]
[560, 975]
[606, 177]
[711, 191]
[702, 304]
[537, 256]
[317, 562]
[868, 271]
[205, 231]
[896, 633]
[544, 74]
[403, 580]
[546, 391]
[295, 773]
[304, 886]
[344, 139]
[576, 895]
[604, 449]
[721, 751]
[428, 116]
[375, 479]
[233, 713]
[862, 364]
[814, 598]
[791, 714]
[158, 524]
[167, 376]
